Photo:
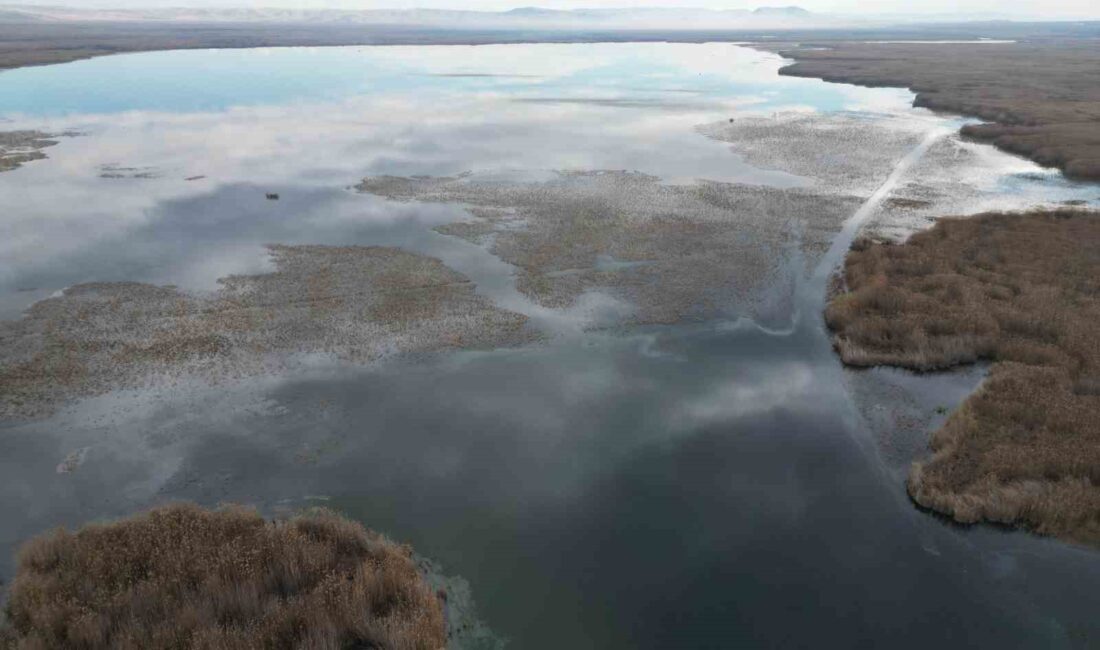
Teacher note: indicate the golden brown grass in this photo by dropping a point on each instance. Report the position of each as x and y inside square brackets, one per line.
[184, 577]
[1022, 290]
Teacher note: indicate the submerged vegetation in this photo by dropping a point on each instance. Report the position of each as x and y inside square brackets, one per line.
[843, 152]
[673, 252]
[1023, 291]
[353, 303]
[20, 147]
[184, 577]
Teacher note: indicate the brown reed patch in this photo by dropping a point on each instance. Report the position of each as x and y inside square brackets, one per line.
[1051, 114]
[1023, 291]
[184, 577]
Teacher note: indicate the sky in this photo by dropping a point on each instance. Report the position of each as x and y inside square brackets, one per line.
[1074, 8]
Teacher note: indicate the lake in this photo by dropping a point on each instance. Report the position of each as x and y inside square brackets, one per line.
[644, 473]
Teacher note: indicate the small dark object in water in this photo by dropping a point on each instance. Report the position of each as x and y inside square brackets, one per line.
[1075, 202]
[271, 196]
[194, 178]
[731, 120]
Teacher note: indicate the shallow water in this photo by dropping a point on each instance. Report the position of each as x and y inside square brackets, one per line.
[704, 485]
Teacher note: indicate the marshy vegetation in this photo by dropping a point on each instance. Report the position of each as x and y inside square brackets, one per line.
[673, 252]
[843, 152]
[1023, 291]
[19, 147]
[184, 577]
[352, 303]
[1051, 114]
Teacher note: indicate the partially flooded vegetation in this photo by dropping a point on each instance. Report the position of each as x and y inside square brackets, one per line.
[673, 252]
[848, 152]
[1039, 97]
[20, 147]
[351, 303]
[640, 326]
[184, 577]
[1016, 289]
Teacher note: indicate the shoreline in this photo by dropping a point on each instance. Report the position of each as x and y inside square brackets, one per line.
[320, 303]
[1061, 505]
[1055, 124]
[1000, 288]
[29, 44]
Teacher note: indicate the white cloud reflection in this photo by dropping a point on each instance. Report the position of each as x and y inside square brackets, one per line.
[599, 106]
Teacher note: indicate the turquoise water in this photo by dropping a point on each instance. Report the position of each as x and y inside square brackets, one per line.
[212, 80]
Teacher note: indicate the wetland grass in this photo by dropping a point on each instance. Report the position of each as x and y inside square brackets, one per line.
[184, 577]
[679, 252]
[20, 147]
[351, 303]
[1023, 291]
[1039, 97]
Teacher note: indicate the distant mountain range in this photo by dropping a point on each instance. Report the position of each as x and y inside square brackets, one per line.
[781, 11]
[529, 18]
[524, 17]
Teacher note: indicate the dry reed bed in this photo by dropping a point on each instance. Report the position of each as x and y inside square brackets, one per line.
[353, 303]
[675, 252]
[1022, 290]
[184, 577]
[1041, 97]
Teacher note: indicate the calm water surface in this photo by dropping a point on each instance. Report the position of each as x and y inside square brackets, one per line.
[702, 486]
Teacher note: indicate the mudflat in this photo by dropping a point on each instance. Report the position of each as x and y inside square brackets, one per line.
[1039, 99]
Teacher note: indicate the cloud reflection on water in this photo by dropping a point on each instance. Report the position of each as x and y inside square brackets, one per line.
[63, 208]
[706, 479]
